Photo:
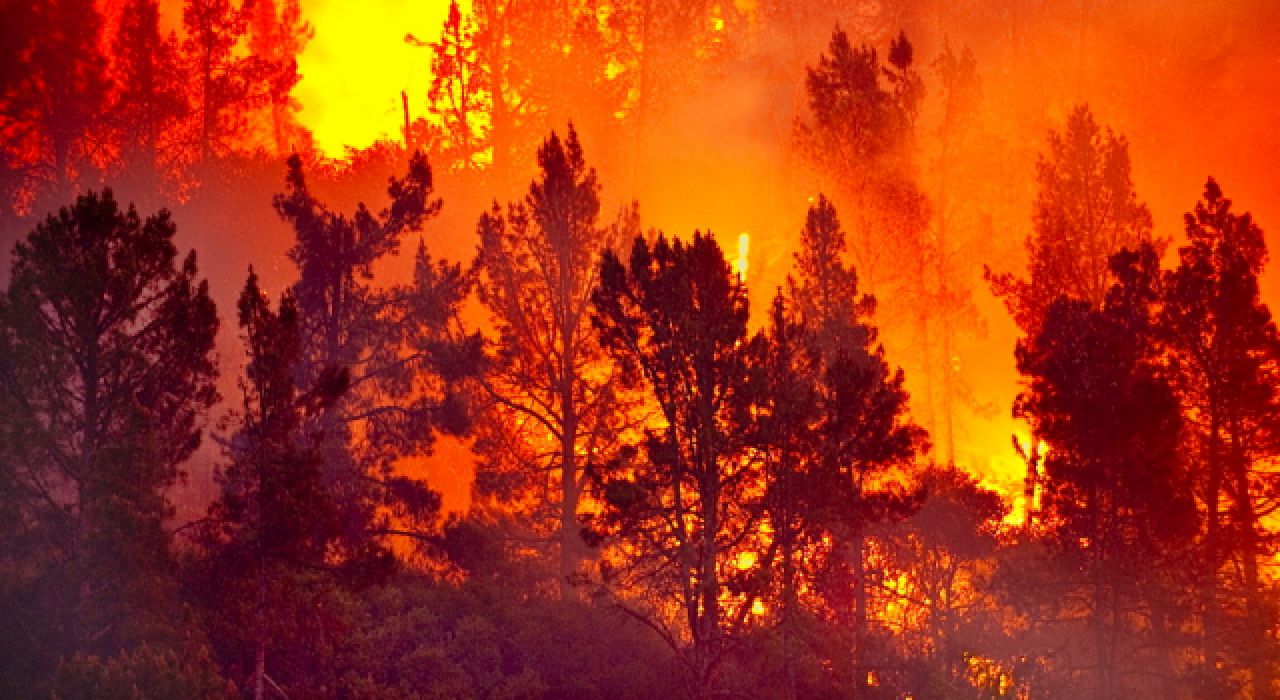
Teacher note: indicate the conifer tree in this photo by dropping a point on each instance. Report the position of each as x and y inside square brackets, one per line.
[107, 371]
[540, 265]
[1117, 500]
[278, 34]
[55, 101]
[275, 521]
[400, 345]
[686, 506]
[226, 86]
[1227, 357]
[862, 419]
[150, 102]
[460, 94]
[1086, 210]
[861, 142]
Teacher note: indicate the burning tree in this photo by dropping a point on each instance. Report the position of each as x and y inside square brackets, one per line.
[540, 265]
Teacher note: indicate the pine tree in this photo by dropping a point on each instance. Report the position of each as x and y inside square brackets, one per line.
[1086, 210]
[107, 371]
[1227, 354]
[540, 265]
[53, 110]
[861, 142]
[1116, 500]
[150, 103]
[460, 95]
[275, 522]
[278, 34]
[399, 344]
[226, 86]
[862, 411]
[685, 508]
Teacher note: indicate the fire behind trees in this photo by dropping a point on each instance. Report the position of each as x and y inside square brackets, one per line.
[674, 497]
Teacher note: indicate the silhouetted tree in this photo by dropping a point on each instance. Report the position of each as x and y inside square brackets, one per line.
[1227, 358]
[398, 343]
[460, 95]
[861, 143]
[685, 508]
[862, 425]
[107, 370]
[1117, 501]
[515, 43]
[540, 265]
[861, 140]
[275, 520]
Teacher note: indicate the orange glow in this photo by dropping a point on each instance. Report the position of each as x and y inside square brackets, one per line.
[717, 157]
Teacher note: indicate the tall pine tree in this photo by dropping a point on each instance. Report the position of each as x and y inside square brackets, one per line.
[1227, 355]
[107, 371]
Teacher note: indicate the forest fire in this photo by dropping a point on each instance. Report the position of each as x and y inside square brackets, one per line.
[639, 348]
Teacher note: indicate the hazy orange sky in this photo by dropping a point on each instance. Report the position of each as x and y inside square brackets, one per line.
[1193, 84]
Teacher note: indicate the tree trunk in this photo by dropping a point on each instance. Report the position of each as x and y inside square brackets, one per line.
[570, 551]
[1256, 613]
[860, 642]
[1209, 591]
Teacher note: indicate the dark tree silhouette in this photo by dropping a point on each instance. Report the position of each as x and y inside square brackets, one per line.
[398, 344]
[275, 520]
[1086, 210]
[862, 426]
[540, 265]
[1227, 357]
[1117, 500]
[686, 507]
[106, 372]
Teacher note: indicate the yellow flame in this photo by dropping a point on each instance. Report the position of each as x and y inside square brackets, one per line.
[744, 246]
[357, 64]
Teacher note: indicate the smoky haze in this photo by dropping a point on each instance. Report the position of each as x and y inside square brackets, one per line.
[1192, 85]
[768, 349]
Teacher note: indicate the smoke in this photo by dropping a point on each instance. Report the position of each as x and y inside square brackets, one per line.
[1192, 84]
